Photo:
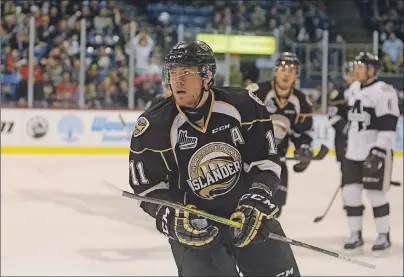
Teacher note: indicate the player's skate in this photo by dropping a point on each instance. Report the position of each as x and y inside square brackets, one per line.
[355, 242]
[382, 244]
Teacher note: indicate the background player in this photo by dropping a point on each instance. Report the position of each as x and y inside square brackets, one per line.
[281, 98]
[212, 148]
[338, 110]
[373, 117]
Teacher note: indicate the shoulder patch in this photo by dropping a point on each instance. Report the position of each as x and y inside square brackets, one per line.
[255, 97]
[333, 94]
[141, 126]
[253, 87]
[308, 100]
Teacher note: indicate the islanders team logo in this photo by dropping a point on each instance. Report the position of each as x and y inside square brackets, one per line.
[214, 170]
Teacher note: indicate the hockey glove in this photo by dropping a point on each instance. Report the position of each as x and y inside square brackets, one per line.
[374, 161]
[252, 210]
[305, 154]
[184, 227]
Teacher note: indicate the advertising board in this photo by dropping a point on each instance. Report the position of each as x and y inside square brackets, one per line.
[47, 131]
[236, 44]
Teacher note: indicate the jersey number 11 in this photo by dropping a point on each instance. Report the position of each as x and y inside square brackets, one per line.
[133, 174]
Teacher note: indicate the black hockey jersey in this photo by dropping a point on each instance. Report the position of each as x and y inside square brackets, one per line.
[298, 109]
[338, 105]
[338, 116]
[210, 166]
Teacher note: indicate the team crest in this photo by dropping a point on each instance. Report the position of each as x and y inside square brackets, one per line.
[271, 108]
[214, 170]
[140, 127]
[255, 97]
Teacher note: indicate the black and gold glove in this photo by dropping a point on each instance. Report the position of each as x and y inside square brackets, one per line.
[252, 210]
[188, 229]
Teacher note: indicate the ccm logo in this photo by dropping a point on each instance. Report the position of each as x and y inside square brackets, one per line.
[221, 128]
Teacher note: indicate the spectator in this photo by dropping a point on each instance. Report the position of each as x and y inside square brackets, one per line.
[120, 58]
[227, 16]
[393, 50]
[103, 23]
[143, 44]
[154, 67]
[19, 42]
[145, 94]
[217, 25]
[44, 91]
[54, 68]
[258, 19]
[66, 92]
[236, 77]
[24, 70]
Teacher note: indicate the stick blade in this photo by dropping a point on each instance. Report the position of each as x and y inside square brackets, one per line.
[318, 219]
[322, 152]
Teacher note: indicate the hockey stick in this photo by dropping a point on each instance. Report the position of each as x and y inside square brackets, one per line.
[320, 155]
[395, 183]
[232, 223]
[319, 218]
[124, 125]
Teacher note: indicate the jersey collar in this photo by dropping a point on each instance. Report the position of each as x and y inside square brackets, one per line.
[205, 119]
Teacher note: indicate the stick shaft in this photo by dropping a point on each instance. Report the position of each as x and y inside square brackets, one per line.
[332, 201]
[233, 224]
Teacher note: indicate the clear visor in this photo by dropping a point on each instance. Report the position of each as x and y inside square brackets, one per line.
[175, 73]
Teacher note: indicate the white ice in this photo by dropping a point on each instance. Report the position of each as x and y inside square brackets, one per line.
[57, 218]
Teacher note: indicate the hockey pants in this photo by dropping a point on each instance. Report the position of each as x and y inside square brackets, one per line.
[269, 258]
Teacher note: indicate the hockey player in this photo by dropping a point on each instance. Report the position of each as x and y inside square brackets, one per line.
[211, 148]
[281, 98]
[338, 110]
[373, 117]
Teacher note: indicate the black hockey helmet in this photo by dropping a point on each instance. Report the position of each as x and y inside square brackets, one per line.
[288, 58]
[348, 67]
[368, 59]
[193, 53]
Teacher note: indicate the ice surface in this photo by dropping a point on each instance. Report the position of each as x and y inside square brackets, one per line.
[57, 218]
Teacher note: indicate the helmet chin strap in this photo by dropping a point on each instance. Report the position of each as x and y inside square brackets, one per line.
[201, 94]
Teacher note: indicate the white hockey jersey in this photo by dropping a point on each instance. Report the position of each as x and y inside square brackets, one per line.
[373, 115]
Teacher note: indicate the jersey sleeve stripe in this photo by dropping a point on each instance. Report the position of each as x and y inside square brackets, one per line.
[149, 149]
[387, 122]
[254, 121]
[159, 186]
[165, 161]
[225, 108]
[264, 165]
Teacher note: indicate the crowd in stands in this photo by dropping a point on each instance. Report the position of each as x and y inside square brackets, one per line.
[388, 18]
[108, 45]
[57, 54]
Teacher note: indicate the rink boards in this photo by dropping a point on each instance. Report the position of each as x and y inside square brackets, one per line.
[52, 131]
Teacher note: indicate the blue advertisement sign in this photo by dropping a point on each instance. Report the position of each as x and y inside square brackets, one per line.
[70, 127]
[112, 130]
